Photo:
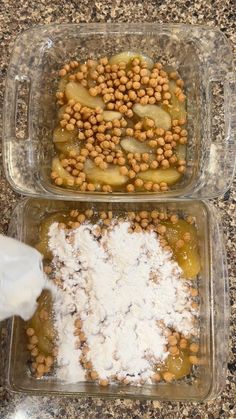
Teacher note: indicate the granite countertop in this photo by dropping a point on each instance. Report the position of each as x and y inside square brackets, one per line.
[18, 16]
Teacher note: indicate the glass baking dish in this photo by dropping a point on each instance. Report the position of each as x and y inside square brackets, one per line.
[201, 54]
[213, 292]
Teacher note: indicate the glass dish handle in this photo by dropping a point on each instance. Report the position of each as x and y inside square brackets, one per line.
[17, 141]
[220, 293]
[222, 148]
[16, 105]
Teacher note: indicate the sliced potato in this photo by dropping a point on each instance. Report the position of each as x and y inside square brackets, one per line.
[161, 118]
[176, 109]
[170, 176]
[110, 176]
[61, 135]
[131, 145]
[179, 365]
[111, 115]
[126, 56]
[57, 167]
[66, 148]
[80, 94]
[187, 256]
[181, 151]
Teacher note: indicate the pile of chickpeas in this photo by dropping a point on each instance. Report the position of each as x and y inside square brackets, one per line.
[121, 86]
[41, 364]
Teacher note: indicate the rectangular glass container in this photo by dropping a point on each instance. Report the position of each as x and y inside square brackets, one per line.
[213, 292]
[201, 54]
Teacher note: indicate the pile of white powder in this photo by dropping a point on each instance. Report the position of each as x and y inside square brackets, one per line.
[107, 284]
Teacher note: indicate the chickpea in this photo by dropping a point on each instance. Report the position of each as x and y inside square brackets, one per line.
[193, 292]
[34, 352]
[130, 187]
[138, 183]
[154, 164]
[194, 306]
[154, 214]
[156, 377]
[152, 100]
[81, 218]
[152, 143]
[172, 340]
[156, 187]
[143, 214]
[40, 369]
[148, 186]
[136, 85]
[181, 169]
[173, 350]
[33, 340]
[179, 244]
[165, 163]
[168, 376]
[145, 157]
[187, 237]
[143, 167]
[94, 375]
[104, 382]
[131, 174]
[91, 187]
[166, 95]
[49, 361]
[30, 331]
[174, 219]
[103, 165]
[144, 100]
[194, 359]
[40, 359]
[129, 131]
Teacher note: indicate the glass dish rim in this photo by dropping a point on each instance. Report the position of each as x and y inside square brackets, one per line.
[205, 207]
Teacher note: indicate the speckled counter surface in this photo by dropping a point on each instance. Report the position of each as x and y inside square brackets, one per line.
[16, 16]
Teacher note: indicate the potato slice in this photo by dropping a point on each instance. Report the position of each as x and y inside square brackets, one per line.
[61, 135]
[161, 118]
[176, 109]
[57, 167]
[110, 176]
[131, 145]
[180, 151]
[44, 328]
[187, 256]
[66, 148]
[111, 115]
[126, 56]
[80, 94]
[179, 365]
[170, 176]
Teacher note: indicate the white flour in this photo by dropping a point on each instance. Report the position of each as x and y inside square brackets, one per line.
[108, 281]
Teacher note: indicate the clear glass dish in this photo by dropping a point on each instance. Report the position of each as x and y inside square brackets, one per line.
[201, 54]
[213, 292]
